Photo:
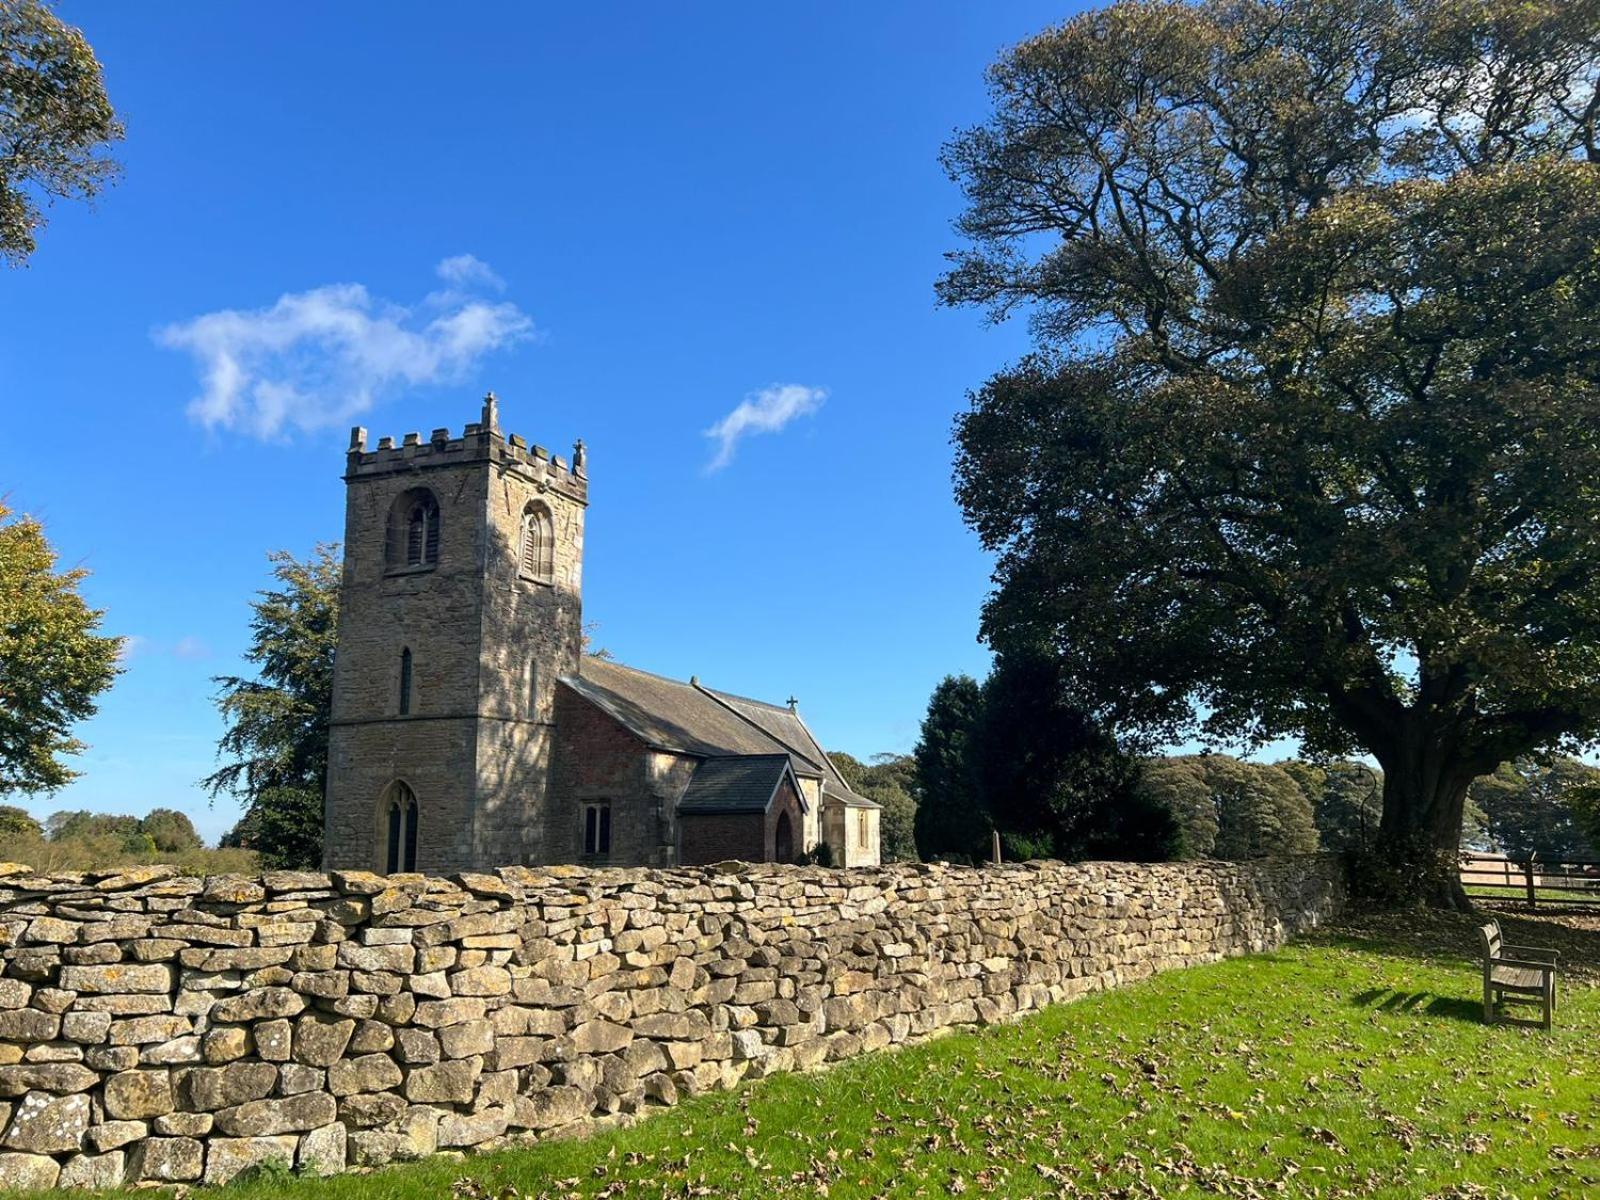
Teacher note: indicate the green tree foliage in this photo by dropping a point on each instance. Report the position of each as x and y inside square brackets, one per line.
[1052, 783]
[1232, 809]
[170, 831]
[78, 840]
[1346, 799]
[1179, 786]
[68, 825]
[1302, 446]
[1534, 807]
[56, 123]
[277, 735]
[54, 662]
[888, 781]
[950, 821]
[1012, 756]
[15, 821]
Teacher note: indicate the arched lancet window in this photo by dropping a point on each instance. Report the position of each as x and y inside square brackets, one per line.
[405, 681]
[413, 536]
[538, 557]
[400, 815]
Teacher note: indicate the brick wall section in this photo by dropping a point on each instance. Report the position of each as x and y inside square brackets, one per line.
[597, 759]
[168, 1029]
[716, 837]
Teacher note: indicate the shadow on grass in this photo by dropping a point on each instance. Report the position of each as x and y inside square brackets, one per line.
[1451, 939]
[1428, 1003]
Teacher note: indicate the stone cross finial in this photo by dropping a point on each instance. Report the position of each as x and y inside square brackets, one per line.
[491, 413]
[794, 705]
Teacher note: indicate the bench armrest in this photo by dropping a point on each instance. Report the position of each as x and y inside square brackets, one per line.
[1547, 967]
[1533, 951]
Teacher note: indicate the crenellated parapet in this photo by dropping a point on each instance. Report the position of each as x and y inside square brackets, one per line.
[481, 441]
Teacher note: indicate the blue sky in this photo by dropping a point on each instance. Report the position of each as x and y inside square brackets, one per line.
[668, 230]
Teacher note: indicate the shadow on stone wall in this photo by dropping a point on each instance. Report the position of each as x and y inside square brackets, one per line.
[167, 1029]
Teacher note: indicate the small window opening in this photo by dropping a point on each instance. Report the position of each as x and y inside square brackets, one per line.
[413, 538]
[538, 558]
[596, 830]
[401, 852]
[405, 681]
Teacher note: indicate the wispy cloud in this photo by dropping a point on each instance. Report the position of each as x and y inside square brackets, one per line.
[469, 271]
[766, 411]
[189, 648]
[319, 357]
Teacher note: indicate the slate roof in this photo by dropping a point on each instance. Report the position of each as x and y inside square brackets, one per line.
[688, 718]
[745, 784]
[670, 715]
[785, 726]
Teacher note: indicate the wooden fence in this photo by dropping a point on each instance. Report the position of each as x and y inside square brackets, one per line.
[1533, 882]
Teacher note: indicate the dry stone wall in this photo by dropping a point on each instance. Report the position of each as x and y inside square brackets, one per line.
[160, 1028]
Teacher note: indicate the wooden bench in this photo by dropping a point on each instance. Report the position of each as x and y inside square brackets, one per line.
[1515, 972]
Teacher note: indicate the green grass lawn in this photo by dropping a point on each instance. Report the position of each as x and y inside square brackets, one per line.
[1517, 894]
[1354, 1064]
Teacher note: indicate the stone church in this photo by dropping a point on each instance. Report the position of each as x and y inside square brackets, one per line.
[470, 730]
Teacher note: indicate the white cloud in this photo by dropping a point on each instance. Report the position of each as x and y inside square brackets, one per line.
[467, 271]
[319, 357]
[191, 647]
[766, 411]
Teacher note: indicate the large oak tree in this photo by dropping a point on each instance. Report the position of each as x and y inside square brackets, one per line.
[1311, 443]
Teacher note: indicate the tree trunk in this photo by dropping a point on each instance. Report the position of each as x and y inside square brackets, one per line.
[1424, 795]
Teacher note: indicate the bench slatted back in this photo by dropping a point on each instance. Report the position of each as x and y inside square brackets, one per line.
[1490, 936]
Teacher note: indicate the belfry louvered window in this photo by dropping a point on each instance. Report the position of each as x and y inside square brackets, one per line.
[413, 535]
[401, 828]
[538, 555]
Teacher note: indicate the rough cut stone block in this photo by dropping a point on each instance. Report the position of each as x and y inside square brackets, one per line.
[293, 1114]
[273, 1040]
[323, 1151]
[46, 1124]
[264, 1002]
[444, 1083]
[138, 1095]
[118, 978]
[471, 1129]
[435, 1014]
[95, 1172]
[481, 981]
[466, 1039]
[227, 1156]
[224, 1044]
[367, 1073]
[28, 1172]
[320, 1041]
[60, 1078]
[28, 1025]
[109, 1135]
[211, 1088]
[167, 1159]
[185, 1124]
[553, 1107]
[600, 1037]
[88, 1028]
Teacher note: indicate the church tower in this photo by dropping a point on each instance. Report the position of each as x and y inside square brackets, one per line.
[460, 607]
